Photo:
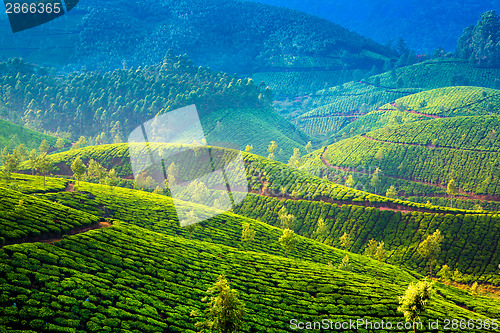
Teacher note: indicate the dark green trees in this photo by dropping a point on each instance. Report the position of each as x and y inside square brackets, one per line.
[429, 249]
[481, 43]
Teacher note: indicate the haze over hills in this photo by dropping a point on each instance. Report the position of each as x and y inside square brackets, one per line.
[227, 35]
[424, 25]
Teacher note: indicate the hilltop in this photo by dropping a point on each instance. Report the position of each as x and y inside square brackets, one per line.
[107, 107]
[332, 110]
[232, 36]
[429, 152]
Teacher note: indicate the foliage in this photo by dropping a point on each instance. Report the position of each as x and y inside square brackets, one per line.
[288, 241]
[431, 247]
[481, 43]
[225, 311]
[415, 300]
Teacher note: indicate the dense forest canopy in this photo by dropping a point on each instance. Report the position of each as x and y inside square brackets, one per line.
[481, 43]
[113, 103]
[425, 25]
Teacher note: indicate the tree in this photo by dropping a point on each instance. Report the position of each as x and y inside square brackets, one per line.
[391, 192]
[345, 265]
[492, 136]
[59, 144]
[350, 182]
[375, 250]
[414, 301]
[82, 142]
[445, 273]
[32, 158]
[309, 147]
[375, 181]
[475, 290]
[78, 168]
[249, 148]
[429, 249]
[322, 227]
[379, 156]
[113, 178]
[225, 311]
[288, 241]
[97, 171]
[451, 190]
[371, 248]
[380, 253]
[172, 174]
[44, 165]
[247, 234]
[44, 146]
[294, 160]
[345, 241]
[271, 149]
[10, 162]
[287, 220]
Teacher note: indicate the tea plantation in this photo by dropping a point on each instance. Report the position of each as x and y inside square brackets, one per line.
[147, 274]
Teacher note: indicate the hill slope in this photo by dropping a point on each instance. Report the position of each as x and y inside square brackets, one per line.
[12, 135]
[334, 108]
[431, 151]
[129, 277]
[228, 35]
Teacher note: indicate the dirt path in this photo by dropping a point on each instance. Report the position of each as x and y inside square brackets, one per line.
[52, 238]
[429, 146]
[470, 196]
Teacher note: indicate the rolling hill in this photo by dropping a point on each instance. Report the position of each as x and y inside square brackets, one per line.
[12, 135]
[143, 273]
[232, 36]
[430, 152]
[230, 108]
[333, 110]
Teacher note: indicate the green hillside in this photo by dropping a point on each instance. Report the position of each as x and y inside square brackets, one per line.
[145, 273]
[430, 152]
[329, 107]
[264, 176]
[12, 135]
[106, 108]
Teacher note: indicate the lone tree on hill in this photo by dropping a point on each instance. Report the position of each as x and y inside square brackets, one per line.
[44, 165]
[451, 190]
[287, 221]
[78, 169]
[375, 181]
[225, 311]
[413, 302]
[44, 146]
[429, 249]
[271, 149]
[345, 241]
[391, 192]
[350, 182]
[309, 147]
[288, 241]
[32, 158]
[247, 234]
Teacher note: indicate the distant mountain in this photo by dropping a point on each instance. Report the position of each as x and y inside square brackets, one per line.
[424, 25]
[227, 35]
